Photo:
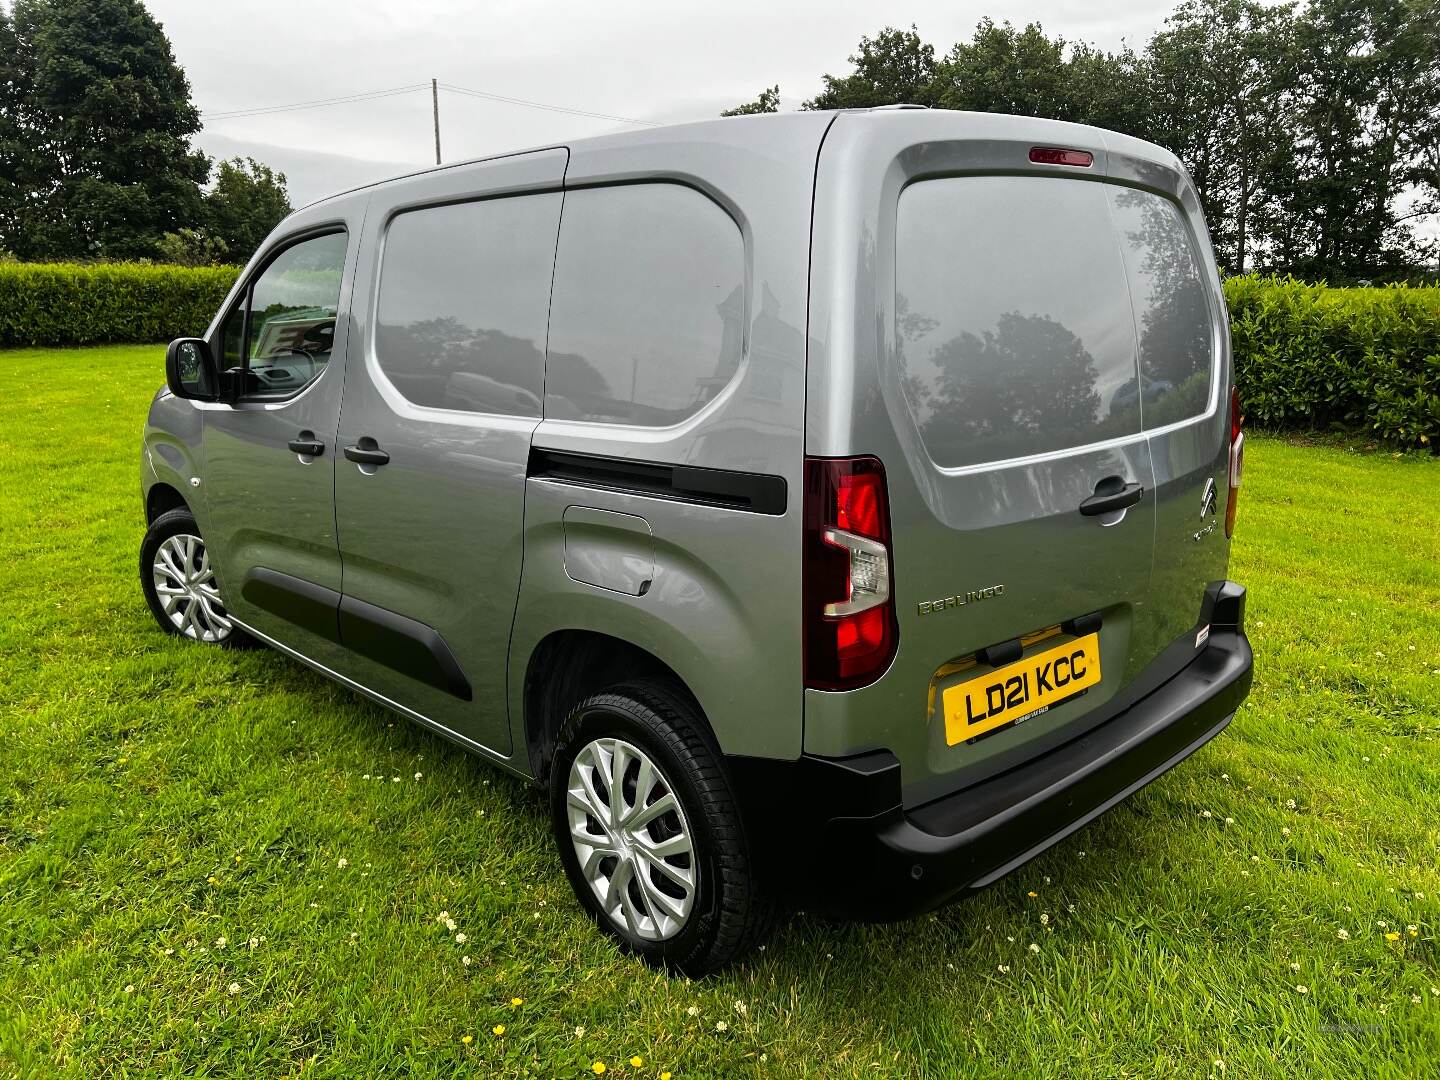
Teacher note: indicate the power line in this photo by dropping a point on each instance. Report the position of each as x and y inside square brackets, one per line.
[486, 95]
[262, 110]
[373, 95]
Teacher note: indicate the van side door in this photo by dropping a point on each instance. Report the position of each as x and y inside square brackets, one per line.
[440, 403]
[266, 501]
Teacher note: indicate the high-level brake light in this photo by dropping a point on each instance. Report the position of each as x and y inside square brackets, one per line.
[1054, 155]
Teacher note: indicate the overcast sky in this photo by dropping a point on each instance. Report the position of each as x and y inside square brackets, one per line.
[642, 59]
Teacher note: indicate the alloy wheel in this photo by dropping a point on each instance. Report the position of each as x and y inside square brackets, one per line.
[631, 838]
[185, 585]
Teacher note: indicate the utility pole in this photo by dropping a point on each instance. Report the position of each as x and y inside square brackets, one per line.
[435, 105]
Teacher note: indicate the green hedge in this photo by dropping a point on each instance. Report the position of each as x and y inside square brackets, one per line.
[1312, 358]
[69, 304]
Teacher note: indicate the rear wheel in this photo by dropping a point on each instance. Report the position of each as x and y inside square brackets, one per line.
[180, 585]
[649, 833]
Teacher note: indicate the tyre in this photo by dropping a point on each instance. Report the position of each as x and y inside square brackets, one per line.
[649, 832]
[180, 586]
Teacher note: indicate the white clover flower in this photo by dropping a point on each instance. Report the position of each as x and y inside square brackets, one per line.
[1229, 821]
[1415, 999]
[1294, 966]
[1301, 989]
[129, 988]
[1206, 813]
[1034, 948]
[721, 1025]
[234, 988]
[1343, 935]
[1225, 776]
[220, 942]
[1284, 831]
[342, 863]
[1290, 804]
[1044, 918]
[693, 1010]
[450, 925]
[465, 960]
[1004, 969]
[419, 776]
[741, 1008]
[579, 1032]
[460, 939]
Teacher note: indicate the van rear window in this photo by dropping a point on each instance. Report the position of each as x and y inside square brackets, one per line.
[1015, 330]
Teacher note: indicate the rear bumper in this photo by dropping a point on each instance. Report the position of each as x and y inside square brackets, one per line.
[867, 857]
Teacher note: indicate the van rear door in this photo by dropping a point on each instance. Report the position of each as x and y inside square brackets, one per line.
[1000, 384]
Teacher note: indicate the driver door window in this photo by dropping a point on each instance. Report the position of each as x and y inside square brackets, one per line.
[278, 339]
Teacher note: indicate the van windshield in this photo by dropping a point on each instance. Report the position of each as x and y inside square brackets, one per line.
[1015, 330]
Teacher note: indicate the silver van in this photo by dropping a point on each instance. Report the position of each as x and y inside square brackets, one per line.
[830, 508]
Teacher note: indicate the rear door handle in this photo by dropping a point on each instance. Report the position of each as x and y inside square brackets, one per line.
[1111, 494]
[307, 445]
[368, 452]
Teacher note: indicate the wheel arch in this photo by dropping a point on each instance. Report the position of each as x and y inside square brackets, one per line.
[161, 499]
[567, 666]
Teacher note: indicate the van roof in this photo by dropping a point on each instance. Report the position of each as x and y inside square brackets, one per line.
[743, 132]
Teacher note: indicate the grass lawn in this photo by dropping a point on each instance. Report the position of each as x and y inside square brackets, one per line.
[217, 863]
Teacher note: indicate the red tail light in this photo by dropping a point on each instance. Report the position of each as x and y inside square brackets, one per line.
[850, 627]
[1237, 460]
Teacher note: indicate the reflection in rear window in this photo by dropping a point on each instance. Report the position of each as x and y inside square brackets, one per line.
[1172, 311]
[1014, 326]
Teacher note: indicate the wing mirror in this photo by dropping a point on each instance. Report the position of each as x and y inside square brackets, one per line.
[190, 370]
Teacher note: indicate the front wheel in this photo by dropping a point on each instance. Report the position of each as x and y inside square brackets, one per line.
[179, 583]
[649, 833]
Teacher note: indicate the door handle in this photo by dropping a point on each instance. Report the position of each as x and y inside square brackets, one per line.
[1111, 494]
[367, 452]
[307, 445]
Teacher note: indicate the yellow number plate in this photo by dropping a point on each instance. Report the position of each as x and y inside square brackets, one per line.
[1016, 690]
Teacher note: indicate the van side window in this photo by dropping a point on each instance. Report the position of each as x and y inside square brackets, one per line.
[1172, 307]
[464, 291]
[292, 305]
[1013, 322]
[647, 317]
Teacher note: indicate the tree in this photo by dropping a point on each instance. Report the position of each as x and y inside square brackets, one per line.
[767, 102]
[1219, 73]
[894, 67]
[248, 200]
[192, 247]
[1366, 98]
[102, 123]
[1005, 70]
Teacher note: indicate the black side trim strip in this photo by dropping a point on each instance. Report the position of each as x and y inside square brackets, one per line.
[307, 605]
[403, 645]
[758, 493]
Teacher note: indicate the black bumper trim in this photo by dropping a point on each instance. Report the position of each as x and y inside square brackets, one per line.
[867, 857]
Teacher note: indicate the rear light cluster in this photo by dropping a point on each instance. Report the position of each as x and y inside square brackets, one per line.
[850, 627]
[1237, 460]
